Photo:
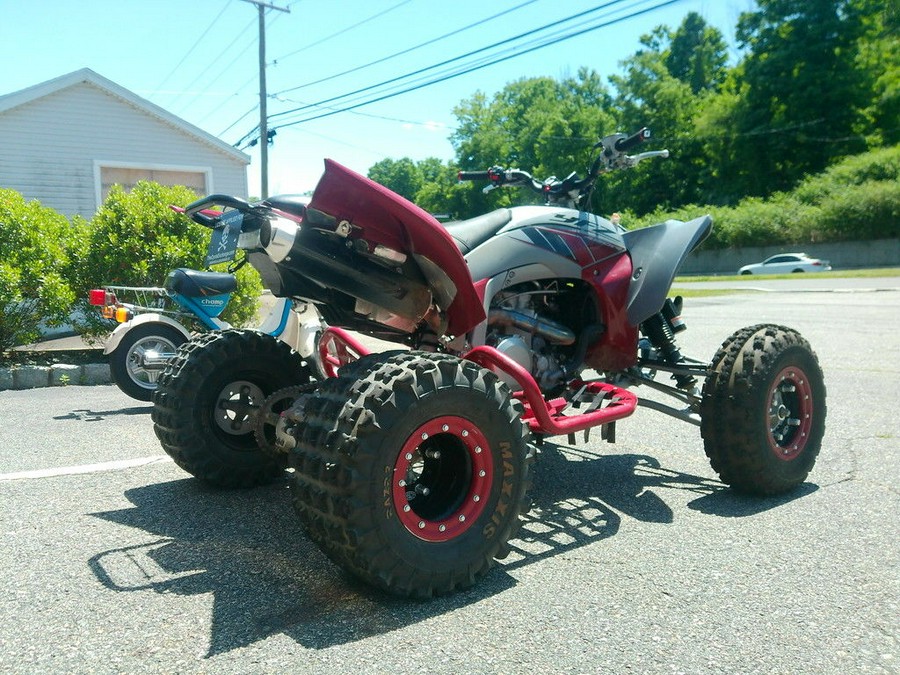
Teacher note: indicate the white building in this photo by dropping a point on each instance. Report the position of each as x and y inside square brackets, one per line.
[68, 140]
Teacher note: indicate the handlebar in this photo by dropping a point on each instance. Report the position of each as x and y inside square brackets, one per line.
[625, 144]
[572, 190]
[198, 210]
[474, 175]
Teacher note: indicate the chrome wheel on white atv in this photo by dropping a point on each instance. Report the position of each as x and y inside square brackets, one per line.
[763, 410]
[208, 400]
[411, 472]
[126, 361]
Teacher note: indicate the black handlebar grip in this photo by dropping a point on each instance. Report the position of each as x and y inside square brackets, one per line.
[640, 136]
[474, 175]
[194, 210]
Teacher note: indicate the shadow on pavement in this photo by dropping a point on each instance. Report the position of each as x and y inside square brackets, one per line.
[99, 415]
[247, 549]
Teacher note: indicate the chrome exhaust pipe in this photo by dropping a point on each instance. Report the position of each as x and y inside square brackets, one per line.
[549, 330]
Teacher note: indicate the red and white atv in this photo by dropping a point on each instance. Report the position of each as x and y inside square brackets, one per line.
[411, 467]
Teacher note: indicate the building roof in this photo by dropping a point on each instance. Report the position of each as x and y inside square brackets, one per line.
[88, 76]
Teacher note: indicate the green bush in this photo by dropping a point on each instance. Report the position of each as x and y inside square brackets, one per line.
[868, 211]
[856, 199]
[135, 239]
[877, 165]
[34, 262]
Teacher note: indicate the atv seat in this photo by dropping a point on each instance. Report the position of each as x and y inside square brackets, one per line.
[475, 231]
[293, 204]
[197, 284]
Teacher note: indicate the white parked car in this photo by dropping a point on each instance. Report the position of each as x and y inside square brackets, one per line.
[784, 263]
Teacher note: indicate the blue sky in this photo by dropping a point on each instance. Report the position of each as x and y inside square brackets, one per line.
[199, 60]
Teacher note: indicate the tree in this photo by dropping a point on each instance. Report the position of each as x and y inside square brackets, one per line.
[665, 86]
[879, 59]
[403, 176]
[428, 183]
[697, 54]
[539, 125]
[800, 93]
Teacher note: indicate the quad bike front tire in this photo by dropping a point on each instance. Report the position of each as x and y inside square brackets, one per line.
[763, 410]
[411, 472]
[208, 398]
[125, 360]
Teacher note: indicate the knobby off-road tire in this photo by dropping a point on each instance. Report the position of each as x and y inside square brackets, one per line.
[207, 398]
[124, 361]
[412, 472]
[763, 410]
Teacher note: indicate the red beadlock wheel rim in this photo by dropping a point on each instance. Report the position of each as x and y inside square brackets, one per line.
[789, 412]
[442, 478]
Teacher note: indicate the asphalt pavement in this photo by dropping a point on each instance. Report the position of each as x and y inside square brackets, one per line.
[634, 557]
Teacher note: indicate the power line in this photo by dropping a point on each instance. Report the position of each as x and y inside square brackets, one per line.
[342, 31]
[211, 82]
[488, 61]
[216, 60]
[190, 51]
[235, 123]
[277, 95]
[324, 39]
[452, 60]
[226, 69]
[378, 117]
[406, 51]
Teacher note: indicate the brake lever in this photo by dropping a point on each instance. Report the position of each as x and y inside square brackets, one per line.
[650, 153]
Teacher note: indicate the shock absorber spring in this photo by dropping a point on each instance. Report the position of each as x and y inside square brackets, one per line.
[660, 329]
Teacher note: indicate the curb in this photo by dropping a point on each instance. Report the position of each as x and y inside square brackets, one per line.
[57, 375]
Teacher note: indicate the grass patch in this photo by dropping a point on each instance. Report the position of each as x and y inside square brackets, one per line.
[707, 292]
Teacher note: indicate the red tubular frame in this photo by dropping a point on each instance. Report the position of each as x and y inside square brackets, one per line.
[542, 416]
[546, 416]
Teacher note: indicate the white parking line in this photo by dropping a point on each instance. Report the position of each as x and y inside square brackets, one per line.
[85, 468]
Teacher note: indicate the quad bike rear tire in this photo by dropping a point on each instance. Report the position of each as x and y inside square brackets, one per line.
[763, 410]
[125, 360]
[207, 399]
[411, 472]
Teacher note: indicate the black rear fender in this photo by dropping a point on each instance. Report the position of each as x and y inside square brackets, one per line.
[657, 253]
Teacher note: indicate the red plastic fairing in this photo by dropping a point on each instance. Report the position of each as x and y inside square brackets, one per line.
[387, 218]
[480, 288]
[546, 416]
[617, 349]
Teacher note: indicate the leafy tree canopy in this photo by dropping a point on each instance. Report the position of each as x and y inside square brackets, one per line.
[818, 80]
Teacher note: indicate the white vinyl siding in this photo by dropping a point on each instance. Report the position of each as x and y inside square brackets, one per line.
[53, 144]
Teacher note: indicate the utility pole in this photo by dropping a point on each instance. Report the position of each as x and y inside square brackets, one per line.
[263, 123]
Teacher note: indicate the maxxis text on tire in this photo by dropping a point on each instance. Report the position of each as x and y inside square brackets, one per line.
[763, 410]
[123, 366]
[207, 397]
[412, 472]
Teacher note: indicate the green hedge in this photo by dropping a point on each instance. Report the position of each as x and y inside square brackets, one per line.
[135, 239]
[35, 267]
[856, 199]
[48, 264]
